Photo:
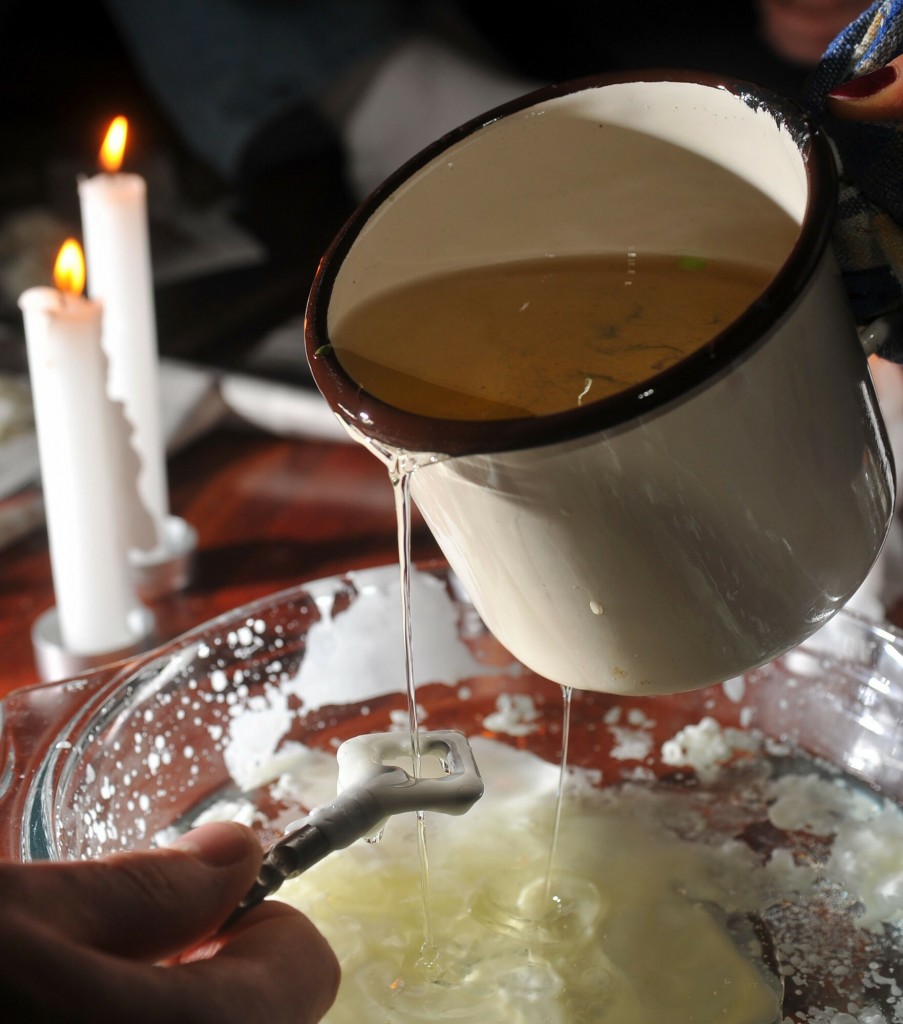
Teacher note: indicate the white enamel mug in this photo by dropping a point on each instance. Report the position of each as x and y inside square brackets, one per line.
[707, 520]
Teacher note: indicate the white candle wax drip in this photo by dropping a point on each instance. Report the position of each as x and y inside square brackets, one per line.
[117, 252]
[82, 441]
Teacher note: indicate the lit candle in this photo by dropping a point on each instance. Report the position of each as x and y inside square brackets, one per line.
[80, 447]
[117, 249]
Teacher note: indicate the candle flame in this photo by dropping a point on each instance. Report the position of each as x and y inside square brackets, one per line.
[69, 269]
[113, 147]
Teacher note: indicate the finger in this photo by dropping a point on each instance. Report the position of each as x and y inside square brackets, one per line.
[877, 96]
[147, 904]
[273, 956]
[274, 966]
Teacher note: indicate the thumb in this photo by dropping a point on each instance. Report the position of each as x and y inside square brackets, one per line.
[141, 905]
[876, 96]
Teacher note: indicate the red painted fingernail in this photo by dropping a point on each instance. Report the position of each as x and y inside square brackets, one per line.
[866, 85]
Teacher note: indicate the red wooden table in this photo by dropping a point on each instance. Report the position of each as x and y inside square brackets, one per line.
[270, 513]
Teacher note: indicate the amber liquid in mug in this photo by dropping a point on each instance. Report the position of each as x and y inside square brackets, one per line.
[539, 336]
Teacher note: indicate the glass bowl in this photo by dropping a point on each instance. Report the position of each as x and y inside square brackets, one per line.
[125, 757]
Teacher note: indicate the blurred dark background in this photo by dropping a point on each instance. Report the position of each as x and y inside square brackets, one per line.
[65, 73]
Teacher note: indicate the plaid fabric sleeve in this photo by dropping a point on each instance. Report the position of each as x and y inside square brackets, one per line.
[868, 234]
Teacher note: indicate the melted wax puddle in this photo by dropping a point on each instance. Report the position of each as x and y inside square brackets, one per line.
[487, 897]
[504, 901]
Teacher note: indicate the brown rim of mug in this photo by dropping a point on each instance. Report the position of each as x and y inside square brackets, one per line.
[414, 432]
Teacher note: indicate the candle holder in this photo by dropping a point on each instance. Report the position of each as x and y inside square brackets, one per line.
[169, 566]
[56, 662]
